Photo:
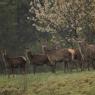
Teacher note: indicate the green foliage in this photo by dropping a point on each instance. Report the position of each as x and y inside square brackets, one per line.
[72, 18]
[16, 32]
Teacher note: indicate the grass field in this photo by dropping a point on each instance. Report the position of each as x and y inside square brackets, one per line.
[76, 83]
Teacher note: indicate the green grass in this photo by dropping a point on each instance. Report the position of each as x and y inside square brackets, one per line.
[77, 83]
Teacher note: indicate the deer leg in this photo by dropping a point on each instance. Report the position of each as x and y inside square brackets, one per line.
[82, 65]
[34, 69]
[23, 69]
[13, 72]
[9, 72]
[88, 67]
[52, 68]
[65, 66]
[93, 65]
[77, 64]
[68, 66]
[71, 65]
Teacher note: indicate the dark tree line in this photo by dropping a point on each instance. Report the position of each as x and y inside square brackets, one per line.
[16, 27]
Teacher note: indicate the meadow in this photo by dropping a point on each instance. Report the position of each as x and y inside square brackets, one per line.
[76, 83]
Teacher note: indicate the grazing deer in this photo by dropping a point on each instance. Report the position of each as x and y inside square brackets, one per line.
[38, 60]
[11, 63]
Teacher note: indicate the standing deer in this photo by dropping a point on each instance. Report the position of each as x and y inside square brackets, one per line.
[11, 63]
[59, 55]
[78, 59]
[38, 60]
[88, 51]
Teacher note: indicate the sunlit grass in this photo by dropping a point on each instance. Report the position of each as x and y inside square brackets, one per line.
[76, 83]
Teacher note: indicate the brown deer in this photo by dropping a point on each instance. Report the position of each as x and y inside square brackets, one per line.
[59, 55]
[11, 63]
[79, 59]
[88, 51]
[38, 60]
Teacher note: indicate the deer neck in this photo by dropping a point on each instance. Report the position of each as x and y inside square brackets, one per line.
[83, 50]
[29, 55]
[6, 58]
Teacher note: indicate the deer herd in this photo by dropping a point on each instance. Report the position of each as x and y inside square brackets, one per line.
[80, 58]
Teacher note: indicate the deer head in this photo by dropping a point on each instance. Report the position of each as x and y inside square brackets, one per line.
[3, 52]
[80, 42]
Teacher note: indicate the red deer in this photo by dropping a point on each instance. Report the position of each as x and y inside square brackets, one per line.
[59, 55]
[79, 56]
[38, 60]
[14, 62]
[88, 51]
[79, 59]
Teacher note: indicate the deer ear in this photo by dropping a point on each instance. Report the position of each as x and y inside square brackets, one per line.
[5, 51]
[2, 51]
[26, 49]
